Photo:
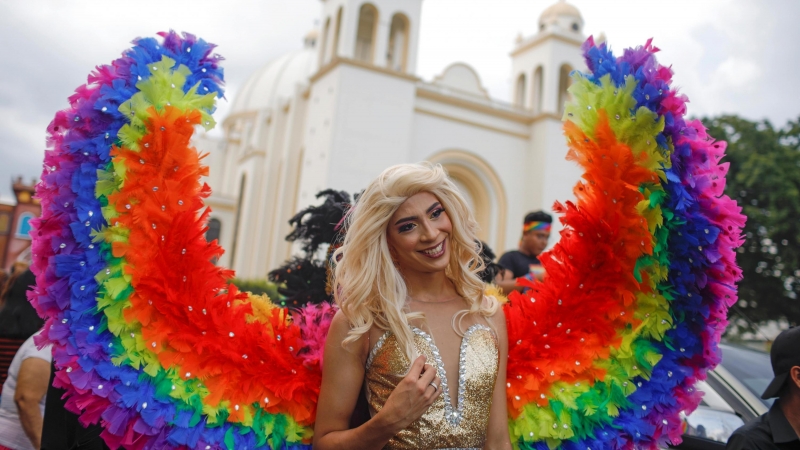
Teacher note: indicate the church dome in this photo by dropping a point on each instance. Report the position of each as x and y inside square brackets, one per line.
[276, 80]
[561, 15]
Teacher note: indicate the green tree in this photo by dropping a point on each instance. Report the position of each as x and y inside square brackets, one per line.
[260, 287]
[764, 178]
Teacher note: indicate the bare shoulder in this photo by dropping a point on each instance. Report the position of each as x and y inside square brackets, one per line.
[498, 314]
[339, 325]
[499, 318]
[338, 332]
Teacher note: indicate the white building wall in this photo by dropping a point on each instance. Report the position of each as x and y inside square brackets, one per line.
[555, 175]
[223, 207]
[249, 199]
[318, 136]
[372, 128]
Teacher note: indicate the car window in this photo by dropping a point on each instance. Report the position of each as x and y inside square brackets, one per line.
[712, 399]
[751, 367]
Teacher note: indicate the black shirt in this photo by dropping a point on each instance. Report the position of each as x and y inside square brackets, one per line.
[771, 431]
[519, 263]
[61, 429]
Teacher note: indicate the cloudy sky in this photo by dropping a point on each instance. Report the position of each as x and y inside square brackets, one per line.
[730, 56]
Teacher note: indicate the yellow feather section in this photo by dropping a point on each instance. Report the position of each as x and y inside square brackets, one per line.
[492, 290]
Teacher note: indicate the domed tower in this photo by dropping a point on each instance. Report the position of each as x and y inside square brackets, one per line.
[541, 65]
[542, 62]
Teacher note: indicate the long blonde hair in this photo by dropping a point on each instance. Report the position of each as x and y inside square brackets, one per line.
[368, 287]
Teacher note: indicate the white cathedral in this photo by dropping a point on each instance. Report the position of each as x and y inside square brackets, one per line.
[347, 105]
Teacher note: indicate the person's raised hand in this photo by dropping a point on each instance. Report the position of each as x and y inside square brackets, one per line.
[413, 396]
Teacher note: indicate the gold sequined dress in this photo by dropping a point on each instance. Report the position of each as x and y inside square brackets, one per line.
[443, 426]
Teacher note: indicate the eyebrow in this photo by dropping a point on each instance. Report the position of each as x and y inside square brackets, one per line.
[407, 219]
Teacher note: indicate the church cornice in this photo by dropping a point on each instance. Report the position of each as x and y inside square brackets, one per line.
[335, 62]
[525, 117]
[520, 116]
[238, 115]
[546, 116]
[542, 37]
[221, 202]
[251, 153]
[471, 123]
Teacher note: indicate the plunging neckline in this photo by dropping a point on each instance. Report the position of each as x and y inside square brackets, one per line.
[453, 414]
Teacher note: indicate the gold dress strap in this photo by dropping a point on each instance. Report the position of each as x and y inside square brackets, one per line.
[442, 426]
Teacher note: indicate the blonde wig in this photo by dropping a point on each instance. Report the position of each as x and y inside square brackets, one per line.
[369, 288]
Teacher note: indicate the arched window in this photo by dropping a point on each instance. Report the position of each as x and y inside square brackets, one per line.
[336, 30]
[564, 81]
[323, 49]
[397, 51]
[214, 229]
[365, 35]
[213, 233]
[24, 226]
[519, 96]
[538, 89]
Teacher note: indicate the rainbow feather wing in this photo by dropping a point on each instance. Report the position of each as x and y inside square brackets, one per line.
[605, 352]
[149, 337]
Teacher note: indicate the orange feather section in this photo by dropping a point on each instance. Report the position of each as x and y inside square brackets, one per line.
[561, 327]
[191, 317]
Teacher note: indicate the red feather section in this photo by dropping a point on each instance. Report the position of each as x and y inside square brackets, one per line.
[561, 326]
[195, 321]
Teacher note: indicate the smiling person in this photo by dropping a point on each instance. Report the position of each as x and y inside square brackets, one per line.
[412, 307]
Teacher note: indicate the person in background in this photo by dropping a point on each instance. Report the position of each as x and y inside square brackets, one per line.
[23, 397]
[779, 428]
[525, 261]
[18, 318]
[61, 429]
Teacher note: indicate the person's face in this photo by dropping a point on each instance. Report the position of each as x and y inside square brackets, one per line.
[418, 235]
[535, 241]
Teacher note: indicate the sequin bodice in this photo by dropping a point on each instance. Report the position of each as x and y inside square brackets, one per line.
[443, 425]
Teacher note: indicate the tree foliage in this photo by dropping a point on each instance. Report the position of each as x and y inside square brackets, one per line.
[259, 287]
[764, 178]
[303, 279]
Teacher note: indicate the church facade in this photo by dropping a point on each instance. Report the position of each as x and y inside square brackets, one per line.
[347, 105]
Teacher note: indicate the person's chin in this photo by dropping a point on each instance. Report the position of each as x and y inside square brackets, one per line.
[434, 268]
